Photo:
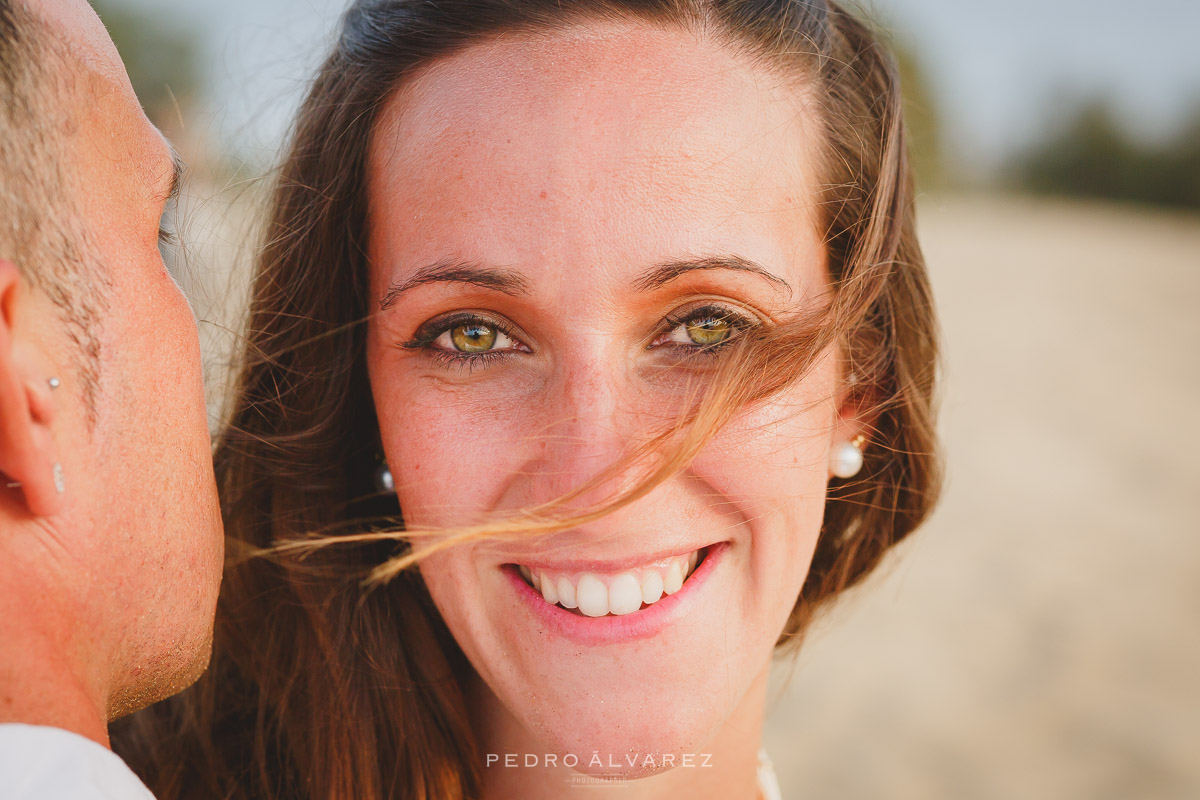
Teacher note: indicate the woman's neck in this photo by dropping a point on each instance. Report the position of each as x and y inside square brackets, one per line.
[725, 767]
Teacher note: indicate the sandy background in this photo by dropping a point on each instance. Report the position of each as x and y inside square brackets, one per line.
[1040, 637]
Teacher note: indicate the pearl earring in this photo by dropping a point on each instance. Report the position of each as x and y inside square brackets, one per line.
[384, 482]
[848, 458]
[54, 383]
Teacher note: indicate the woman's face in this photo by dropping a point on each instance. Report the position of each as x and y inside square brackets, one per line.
[564, 228]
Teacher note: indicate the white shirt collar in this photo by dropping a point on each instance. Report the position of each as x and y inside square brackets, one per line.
[43, 763]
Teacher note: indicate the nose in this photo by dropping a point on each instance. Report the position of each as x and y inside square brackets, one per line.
[588, 423]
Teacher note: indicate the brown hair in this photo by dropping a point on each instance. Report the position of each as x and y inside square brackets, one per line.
[321, 690]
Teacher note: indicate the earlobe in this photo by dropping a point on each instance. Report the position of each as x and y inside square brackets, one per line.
[856, 414]
[26, 459]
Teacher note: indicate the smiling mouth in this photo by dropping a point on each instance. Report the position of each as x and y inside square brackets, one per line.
[599, 594]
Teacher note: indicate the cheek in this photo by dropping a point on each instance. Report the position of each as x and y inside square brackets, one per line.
[772, 464]
[775, 456]
[450, 453]
[152, 363]
[448, 576]
[467, 605]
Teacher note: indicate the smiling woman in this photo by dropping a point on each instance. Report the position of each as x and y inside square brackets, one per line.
[625, 297]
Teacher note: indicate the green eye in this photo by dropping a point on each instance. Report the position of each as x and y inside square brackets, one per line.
[708, 331]
[705, 329]
[473, 337]
[468, 338]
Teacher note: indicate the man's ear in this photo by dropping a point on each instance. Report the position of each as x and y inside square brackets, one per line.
[27, 465]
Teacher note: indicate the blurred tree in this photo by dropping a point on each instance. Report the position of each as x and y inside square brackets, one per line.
[923, 119]
[1092, 155]
[161, 56]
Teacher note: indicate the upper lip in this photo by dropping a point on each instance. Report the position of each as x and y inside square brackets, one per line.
[579, 564]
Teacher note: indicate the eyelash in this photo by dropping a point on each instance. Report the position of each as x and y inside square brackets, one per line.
[739, 323]
[427, 334]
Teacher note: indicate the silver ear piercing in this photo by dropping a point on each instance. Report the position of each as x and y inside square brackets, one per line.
[59, 485]
[384, 482]
[848, 457]
[54, 383]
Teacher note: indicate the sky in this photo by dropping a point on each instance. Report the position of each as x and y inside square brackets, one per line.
[1002, 71]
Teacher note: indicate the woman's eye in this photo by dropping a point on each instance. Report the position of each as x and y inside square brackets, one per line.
[704, 328]
[704, 331]
[473, 337]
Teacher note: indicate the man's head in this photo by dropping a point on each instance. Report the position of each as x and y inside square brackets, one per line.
[110, 536]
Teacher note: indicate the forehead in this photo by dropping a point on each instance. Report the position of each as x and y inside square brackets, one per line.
[621, 131]
[74, 23]
[108, 127]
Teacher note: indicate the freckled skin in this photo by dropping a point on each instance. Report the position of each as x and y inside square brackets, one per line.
[579, 159]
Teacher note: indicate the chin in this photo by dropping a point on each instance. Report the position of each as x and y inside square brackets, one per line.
[617, 726]
[620, 694]
[168, 673]
[631, 757]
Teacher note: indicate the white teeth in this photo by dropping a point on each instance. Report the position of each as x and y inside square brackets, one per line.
[624, 595]
[566, 593]
[549, 592]
[652, 588]
[595, 594]
[592, 596]
[674, 578]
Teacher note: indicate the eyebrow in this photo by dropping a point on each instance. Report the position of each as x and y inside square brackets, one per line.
[669, 271]
[456, 271]
[512, 283]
